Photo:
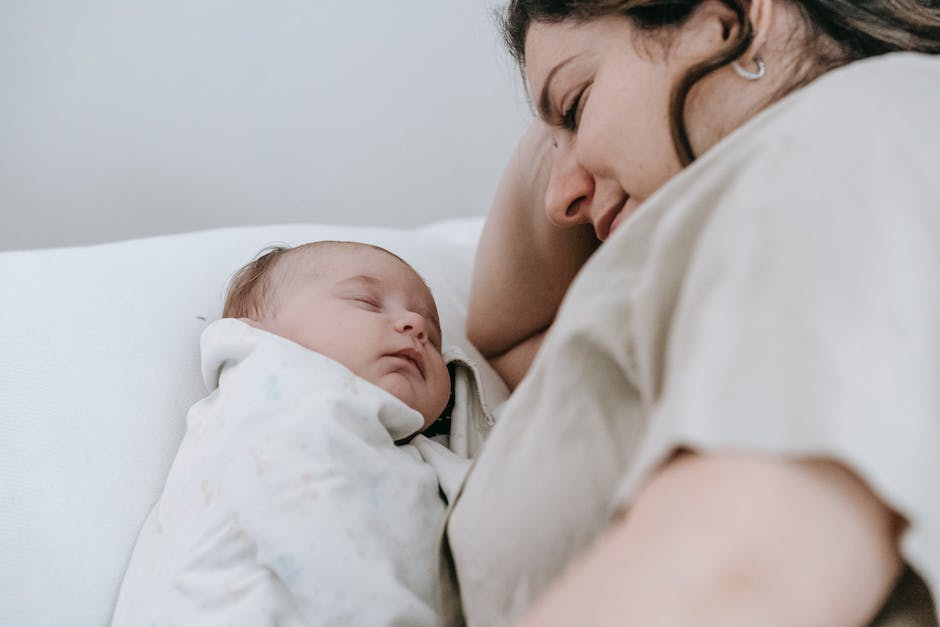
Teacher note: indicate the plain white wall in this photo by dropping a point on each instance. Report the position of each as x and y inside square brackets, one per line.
[126, 118]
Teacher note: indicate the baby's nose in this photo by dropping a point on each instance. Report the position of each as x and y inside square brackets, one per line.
[412, 323]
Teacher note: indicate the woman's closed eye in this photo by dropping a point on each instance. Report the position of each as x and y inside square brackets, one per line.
[572, 115]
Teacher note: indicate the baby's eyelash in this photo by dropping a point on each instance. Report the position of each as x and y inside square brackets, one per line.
[366, 300]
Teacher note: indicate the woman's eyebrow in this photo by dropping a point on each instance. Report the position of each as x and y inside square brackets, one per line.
[545, 106]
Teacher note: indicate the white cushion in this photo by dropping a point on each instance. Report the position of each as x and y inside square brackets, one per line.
[99, 345]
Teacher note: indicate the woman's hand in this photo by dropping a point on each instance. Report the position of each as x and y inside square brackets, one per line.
[731, 540]
[524, 263]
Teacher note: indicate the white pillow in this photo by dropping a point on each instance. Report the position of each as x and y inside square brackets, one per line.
[99, 345]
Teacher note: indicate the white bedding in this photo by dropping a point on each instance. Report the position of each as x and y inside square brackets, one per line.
[101, 363]
[289, 502]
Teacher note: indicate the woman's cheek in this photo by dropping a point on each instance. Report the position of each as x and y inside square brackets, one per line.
[595, 144]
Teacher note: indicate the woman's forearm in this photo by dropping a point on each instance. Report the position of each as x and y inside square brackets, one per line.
[524, 263]
[735, 540]
[513, 365]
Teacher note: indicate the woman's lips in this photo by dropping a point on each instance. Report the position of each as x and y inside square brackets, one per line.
[610, 219]
[619, 218]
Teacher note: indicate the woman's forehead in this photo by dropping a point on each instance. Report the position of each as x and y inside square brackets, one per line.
[551, 45]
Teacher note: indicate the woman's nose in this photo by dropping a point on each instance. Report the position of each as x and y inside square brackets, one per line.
[413, 324]
[570, 189]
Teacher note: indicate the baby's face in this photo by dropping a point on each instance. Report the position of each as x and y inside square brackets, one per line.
[372, 313]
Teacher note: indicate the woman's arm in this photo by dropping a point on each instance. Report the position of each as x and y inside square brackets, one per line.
[731, 540]
[514, 363]
[524, 263]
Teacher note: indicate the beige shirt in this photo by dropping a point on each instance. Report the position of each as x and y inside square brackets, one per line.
[781, 295]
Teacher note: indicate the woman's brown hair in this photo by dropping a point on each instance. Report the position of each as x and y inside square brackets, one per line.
[851, 30]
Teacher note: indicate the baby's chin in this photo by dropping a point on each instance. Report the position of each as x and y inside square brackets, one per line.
[402, 389]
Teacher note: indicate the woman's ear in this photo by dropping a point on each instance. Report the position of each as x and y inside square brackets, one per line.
[712, 24]
[761, 16]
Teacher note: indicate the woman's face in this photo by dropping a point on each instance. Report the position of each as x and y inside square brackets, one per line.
[604, 88]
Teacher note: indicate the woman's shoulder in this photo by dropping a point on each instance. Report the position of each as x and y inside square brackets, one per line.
[869, 124]
[882, 72]
[877, 114]
[888, 97]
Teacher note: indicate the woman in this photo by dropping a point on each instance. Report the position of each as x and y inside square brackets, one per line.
[734, 417]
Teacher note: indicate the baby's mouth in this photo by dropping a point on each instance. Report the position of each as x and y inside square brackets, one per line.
[413, 356]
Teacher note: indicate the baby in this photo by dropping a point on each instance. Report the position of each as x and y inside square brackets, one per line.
[290, 501]
[357, 304]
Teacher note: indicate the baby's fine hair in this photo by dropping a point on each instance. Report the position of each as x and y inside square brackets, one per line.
[251, 291]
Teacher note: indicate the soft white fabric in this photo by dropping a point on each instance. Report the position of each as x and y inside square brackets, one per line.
[100, 363]
[782, 295]
[289, 502]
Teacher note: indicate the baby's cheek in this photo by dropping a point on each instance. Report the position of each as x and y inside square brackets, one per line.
[443, 387]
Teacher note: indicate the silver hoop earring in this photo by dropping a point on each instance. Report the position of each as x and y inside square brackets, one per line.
[747, 74]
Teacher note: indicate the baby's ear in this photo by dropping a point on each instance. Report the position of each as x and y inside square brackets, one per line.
[252, 323]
